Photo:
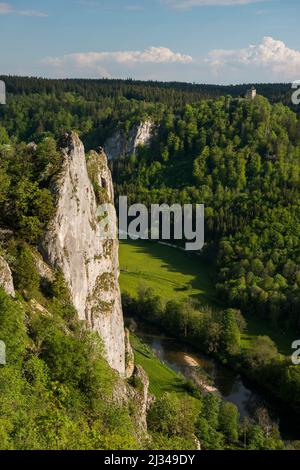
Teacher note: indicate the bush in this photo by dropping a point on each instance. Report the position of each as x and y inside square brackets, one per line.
[25, 275]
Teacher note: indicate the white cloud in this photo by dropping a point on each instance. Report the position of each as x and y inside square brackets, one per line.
[152, 63]
[269, 60]
[187, 4]
[154, 55]
[271, 55]
[7, 9]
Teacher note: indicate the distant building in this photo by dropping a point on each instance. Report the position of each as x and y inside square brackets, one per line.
[251, 93]
[2, 92]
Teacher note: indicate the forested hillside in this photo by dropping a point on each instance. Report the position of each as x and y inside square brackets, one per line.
[240, 158]
[95, 107]
[57, 389]
[171, 93]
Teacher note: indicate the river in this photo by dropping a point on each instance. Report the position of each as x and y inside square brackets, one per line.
[228, 383]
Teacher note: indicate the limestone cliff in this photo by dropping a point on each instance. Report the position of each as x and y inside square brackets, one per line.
[135, 393]
[122, 145]
[6, 280]
[72, 244]
[129, 356]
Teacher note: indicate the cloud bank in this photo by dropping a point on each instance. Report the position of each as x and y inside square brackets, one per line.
[270, 60]
[271, 54]
[153, 55]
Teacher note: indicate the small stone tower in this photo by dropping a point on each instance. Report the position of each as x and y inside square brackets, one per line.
[251, 93]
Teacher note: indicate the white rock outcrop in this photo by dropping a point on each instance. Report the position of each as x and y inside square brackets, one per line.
[129, 356]
[6, 280]
[72, 244]
[42, 268]
[122, 145]
[135, 391]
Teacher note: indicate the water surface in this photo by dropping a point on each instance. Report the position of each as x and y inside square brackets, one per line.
[230, 385]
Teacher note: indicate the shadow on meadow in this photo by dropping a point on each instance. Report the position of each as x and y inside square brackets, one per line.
[192, 278]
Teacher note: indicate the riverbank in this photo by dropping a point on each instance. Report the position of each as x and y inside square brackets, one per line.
[175, 275]
[161, 377]
[183, 358]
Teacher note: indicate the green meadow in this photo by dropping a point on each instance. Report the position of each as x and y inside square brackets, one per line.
[162, 379]
[171, 273]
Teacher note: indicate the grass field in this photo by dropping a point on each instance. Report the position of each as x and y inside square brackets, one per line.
[162, 378]
[173, 274]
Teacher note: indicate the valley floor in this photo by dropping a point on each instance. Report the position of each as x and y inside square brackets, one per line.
[176, 275]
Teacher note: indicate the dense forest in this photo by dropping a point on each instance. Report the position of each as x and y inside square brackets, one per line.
[95, 107]
[170, 93]
[240, 158]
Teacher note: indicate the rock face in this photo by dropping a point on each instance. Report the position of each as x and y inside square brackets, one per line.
[135, 393]
[72, 244]
[122, 145]
[42, 268]
[129, 355]
[6, 280]
[140, 395]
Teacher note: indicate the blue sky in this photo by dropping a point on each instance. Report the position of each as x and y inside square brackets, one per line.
[211, 41]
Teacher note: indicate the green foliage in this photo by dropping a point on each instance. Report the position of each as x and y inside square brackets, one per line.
[163, 421]
[25, 275]
[47, 158]
[255, 438]
[229, 421]
[171, 274]
[26, 203]
[218, 331]
[209, 437]
[4, 138]
[56, 387]
[262, 353]
[212, 426]
[241, 159]
[162, 378]
[231, 335]
[60, 298]
[4, 184]
[12, 328]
